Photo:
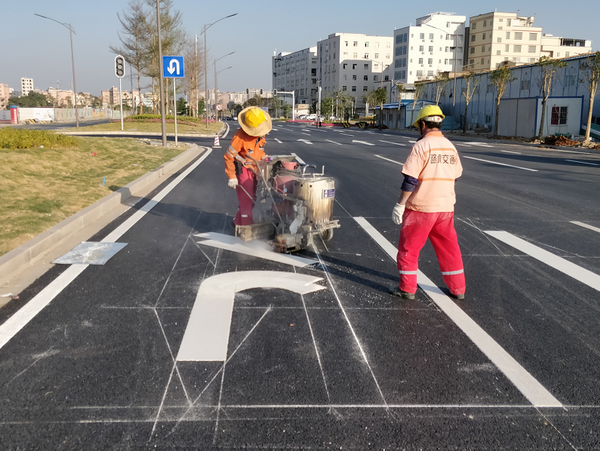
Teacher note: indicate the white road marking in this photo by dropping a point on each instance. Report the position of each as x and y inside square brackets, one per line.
[560, 264]
[26, 313]
[587, 226]
[387, 159]
[583, 162]
[298, 159]
[508, 151]
[207, 333]
[462, 144]
[328, 140]
[347, 134]
[525, 382]
[390, 142]
[500, 164]
[256, 248]
[307, 134]
[305, 141]
[479, 144]
[305, 130]
[277, 140]
[362, 142]
[412, 141]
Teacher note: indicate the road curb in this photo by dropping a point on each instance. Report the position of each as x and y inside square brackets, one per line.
[25, 255]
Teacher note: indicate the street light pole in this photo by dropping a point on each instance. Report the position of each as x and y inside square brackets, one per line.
[215, 70]
[222, 70]
[204, 30]
[71, 31]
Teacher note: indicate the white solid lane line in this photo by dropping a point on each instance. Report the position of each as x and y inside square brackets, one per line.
[500, 164]
[587, 226]
[566, 267]
[26, 313]
[390, 142]
[387, 159]
[583, 162]
[525, 382]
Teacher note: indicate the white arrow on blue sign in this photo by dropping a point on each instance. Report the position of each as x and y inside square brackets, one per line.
[173, 67]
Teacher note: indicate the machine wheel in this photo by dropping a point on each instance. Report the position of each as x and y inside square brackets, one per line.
[327, 235]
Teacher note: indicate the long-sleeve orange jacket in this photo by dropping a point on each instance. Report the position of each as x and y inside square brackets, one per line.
[243, 146]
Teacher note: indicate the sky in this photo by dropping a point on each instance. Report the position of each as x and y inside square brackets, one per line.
[39, 48]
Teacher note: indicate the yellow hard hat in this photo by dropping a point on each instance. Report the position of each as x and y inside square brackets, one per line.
[433, 112]
[255, 121]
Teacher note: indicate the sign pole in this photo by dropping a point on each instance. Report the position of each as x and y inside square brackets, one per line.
[175, 107]
[121, 99]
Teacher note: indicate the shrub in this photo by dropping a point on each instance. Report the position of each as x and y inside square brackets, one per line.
[12, 138]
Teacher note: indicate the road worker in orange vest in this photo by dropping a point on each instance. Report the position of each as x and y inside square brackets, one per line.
[247, 147]
[425, 207]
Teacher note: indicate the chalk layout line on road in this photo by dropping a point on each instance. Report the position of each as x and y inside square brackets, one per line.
[521, 378]
[499, 164]
[21, 318]
[387, 159]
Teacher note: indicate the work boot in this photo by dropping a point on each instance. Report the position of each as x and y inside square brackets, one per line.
[402, 294]
[460, 297]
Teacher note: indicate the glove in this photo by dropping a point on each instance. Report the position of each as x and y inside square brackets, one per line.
[397, 213]
[232, 183]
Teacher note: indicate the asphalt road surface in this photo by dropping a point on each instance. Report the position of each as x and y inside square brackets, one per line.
[181, 341]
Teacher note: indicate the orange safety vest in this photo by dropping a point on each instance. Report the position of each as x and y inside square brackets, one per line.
[243, 146]
[434, 161]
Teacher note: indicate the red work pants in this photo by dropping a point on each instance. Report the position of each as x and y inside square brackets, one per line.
[247, 180]
[439, 228]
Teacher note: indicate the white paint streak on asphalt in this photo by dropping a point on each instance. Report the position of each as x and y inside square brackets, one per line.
[362, 142]
[525, 382]
[390, 142]
[387, 159]
[500, 164]
[330, 141]
[587, 226]
[583, 162]
[560, 264]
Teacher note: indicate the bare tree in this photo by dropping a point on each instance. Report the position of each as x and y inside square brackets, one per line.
[591, 70]
[471, 84]
[548, 69]
[440, 86]
[500, 78]
[135, 28]
[194, 70]
[401, 88]
[419, 89]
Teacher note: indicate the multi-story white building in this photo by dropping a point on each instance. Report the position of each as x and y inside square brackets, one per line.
[26, 86]
[297, 72]
[434, 45]
[556, 47]
[506, 38]
[354, 63]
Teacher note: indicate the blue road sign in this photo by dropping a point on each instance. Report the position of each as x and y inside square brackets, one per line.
[173, 67]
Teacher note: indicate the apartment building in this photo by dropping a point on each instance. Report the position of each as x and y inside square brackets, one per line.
[506, 38]
[435, 44]
[556, 47]
[354, 63]
[296, 72]
[4, 95]
[26, 86]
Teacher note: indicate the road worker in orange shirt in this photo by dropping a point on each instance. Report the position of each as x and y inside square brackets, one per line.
[247, 147]
[425, 207]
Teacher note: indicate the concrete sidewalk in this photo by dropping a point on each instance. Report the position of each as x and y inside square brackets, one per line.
[23, 265]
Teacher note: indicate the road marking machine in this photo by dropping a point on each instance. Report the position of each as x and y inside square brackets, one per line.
[293, 204]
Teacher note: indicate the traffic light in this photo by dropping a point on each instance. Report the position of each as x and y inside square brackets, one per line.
[119, 66]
